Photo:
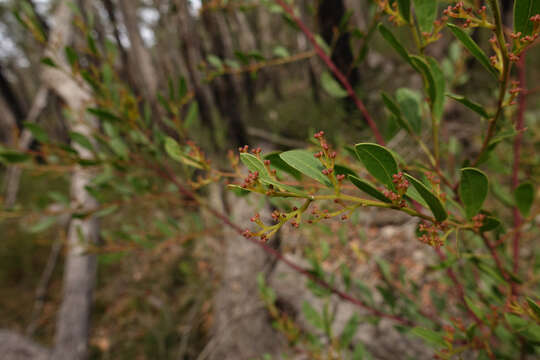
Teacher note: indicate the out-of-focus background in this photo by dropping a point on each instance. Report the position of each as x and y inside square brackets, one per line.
[257, 80]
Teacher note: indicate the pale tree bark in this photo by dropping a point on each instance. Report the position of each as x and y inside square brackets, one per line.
[13, 174]
[140, 60]
[73, 320]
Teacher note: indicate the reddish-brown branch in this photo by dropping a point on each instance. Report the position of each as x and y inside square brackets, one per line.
[338, 74]
[168, 175]
[497, 259]
[517, 153]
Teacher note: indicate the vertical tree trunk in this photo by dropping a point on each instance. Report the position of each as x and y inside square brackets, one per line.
[11, 99]
[227, 92]
[265, 36]
[189, 39]
[73, 321]
[329, 15]
[247, 43]
[140, 61]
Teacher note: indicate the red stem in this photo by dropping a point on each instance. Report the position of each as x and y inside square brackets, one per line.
[168, 174]
[517, 153]
[339, 75]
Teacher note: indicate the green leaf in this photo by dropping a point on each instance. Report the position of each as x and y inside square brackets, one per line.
[215, 61]
[431, 199]
[332, 87]
[81, 140]
[473, 48]
[429, 80]
[477, 108]
[490, 223]
[192, 114]
[278, 163]
[48, 62]
[534, 306]
[175, 152]
[437, 104]
[378, 161]
[393, 107]
[404, 7]
[254, 164]
[523, 11]
[312, 315]
[14, 157]
[524, 198]
[426, 13]
[281, 52]
[37, 132]
[429, 336]
[307, 164]
[71, 56]
[42, 225]
[119, 147]
[368, 188]
[103, 114]
[343, 170]
[473, 189]
[349, 330]
[322, 44]
[409, 103]
[389, 37]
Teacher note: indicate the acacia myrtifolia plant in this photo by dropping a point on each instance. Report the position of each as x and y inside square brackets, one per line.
[497, 313]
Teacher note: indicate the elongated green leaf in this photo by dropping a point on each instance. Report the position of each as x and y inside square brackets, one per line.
[473, 189]
[429, 336]
[423, 68]
[534, 306]
[312, 315]
[48, 62]
[37, 131]
[175, 152]
[477, 108]
[368, 188]
[103, 114]
[281, 52]
[413, 194]
[389, 37]
[434, 203]
[307, 164]
[192, 114]
[473, 48]
[42, 225]
[409, 103]
[349, 330]
[278, 163]
[13, 157]
[378, 161]
[215, 61]
[71, 56]
[81, 140]
[404, 7]
[437, 104]
[426, 13]
[343, 170]
[523, 10]
[331, 86]
[254, 164]
[490, 223]
[524, 197]
[395, 110]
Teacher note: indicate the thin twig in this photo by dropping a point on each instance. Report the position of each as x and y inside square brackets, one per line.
[338, 74]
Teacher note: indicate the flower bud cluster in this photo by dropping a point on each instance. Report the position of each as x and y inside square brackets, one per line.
[251, 180]
[470, 17]
[401, 183]
[431, 232]
[326, 156]
[478, 221]
[392, 10]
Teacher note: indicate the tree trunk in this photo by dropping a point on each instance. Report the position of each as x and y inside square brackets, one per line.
[140, 61]
[247, 43]
[73, 321]
[11, 99]
[227, 92]
[265, 35]
[189, 39]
